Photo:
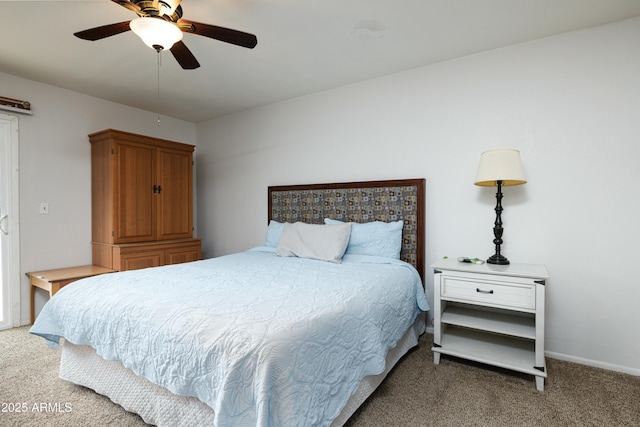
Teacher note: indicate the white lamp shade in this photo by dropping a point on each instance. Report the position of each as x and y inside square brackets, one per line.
[500, 165]
[156, 32]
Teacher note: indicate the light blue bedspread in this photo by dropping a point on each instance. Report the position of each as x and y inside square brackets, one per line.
[261, 339]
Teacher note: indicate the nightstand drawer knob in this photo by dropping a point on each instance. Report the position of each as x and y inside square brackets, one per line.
[484, 292]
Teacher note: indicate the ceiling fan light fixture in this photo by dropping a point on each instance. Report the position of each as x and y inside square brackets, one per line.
[156, 33]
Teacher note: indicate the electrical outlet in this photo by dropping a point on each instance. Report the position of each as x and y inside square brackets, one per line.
[44, 208]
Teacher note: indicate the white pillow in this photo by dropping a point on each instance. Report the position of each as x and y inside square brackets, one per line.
[316, 241]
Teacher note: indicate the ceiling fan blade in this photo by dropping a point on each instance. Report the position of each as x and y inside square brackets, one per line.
[131, 6]
[227, 35]
[98, 33]
[184, 56]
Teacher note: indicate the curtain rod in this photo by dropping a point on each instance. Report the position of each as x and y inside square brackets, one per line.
[15, 105]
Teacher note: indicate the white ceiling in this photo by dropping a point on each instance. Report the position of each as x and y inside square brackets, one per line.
[304, 46]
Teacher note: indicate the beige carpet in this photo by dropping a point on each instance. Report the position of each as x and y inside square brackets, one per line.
[416, 393]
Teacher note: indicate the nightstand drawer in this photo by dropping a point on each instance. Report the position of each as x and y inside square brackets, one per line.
[489, 293]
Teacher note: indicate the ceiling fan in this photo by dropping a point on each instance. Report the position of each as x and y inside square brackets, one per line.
[160, 26]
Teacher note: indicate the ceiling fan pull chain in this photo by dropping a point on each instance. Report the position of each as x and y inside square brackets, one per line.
[158, 81]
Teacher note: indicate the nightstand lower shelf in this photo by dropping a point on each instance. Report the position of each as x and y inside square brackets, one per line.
[492, 349]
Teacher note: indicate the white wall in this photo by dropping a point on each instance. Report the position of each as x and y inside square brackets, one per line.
[55, 167]
[570, 103]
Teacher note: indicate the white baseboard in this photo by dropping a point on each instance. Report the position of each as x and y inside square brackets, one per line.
[594, 363]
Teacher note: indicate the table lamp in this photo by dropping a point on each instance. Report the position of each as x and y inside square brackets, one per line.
[499, 168]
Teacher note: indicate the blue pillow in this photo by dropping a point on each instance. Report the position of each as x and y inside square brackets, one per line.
[375, 238]
[274, 231]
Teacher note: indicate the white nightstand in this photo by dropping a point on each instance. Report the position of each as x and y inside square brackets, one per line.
[492, 314]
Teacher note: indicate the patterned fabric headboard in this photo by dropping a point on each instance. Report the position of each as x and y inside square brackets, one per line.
[387, 201]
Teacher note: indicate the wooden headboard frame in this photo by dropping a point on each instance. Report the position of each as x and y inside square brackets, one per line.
[365, 201]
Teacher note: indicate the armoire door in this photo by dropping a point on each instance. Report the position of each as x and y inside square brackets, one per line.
[174, 194]
[135, 200]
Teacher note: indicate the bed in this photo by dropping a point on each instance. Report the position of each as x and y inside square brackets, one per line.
[287, 333]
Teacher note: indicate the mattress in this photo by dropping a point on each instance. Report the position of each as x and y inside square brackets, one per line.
[158, 406]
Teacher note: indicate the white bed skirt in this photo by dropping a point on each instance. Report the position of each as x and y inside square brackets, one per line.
[157, 405]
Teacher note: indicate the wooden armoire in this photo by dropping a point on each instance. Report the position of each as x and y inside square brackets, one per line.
[141, 201]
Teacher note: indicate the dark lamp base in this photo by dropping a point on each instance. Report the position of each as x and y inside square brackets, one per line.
[498, 259]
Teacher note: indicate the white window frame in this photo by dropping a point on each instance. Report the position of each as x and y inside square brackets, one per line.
[11, 271]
